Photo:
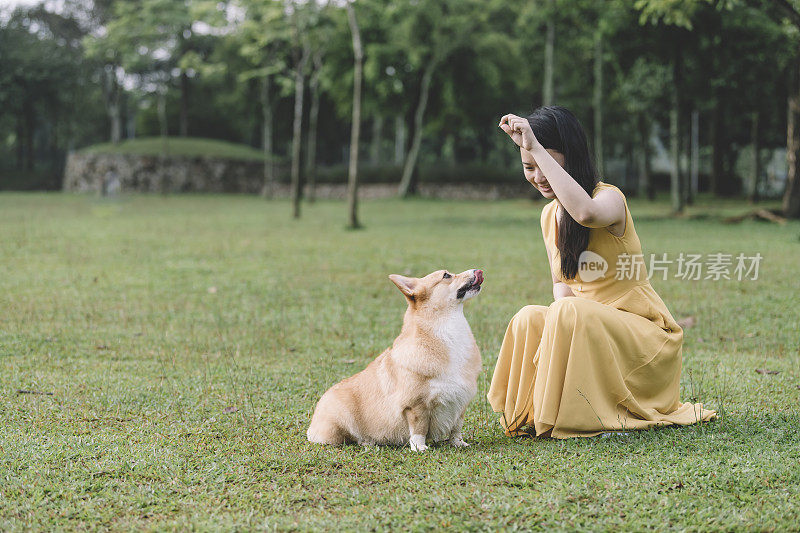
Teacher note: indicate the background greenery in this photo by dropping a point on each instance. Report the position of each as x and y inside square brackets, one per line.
[173, 348]
[75, 73]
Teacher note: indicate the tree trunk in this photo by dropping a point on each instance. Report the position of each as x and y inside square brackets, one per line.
[111, 94]
[299, 82]
[399, 139]
[685, 137]
[675, 158]
[549, 47]
[30, 124]
[676, 195]
[352, 174]
[115, 116]
[448, 150]
[266, 137]
[755, 140]
[184, 115]
[598, 100]
[20, 142]
[791, 198]
[695, 163]
[161, 106]
[645, 178]
[716, 146]
[676, 176]
[130, 118]
[407, 182]
[377, 139]
[313, 119]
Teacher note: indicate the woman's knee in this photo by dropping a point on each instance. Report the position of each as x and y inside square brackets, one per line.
[530, 311]
[528, 315]
[565, 308]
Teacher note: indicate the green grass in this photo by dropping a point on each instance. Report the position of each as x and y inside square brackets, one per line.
[185, 341]
[178, 146]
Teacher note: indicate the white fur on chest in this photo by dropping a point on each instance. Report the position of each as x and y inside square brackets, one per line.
[454, 387]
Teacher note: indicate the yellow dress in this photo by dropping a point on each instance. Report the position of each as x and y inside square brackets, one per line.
[606, 359]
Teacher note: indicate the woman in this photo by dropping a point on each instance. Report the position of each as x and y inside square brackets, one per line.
[606, 354]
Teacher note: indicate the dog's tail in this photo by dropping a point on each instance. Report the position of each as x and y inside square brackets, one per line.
[325, 425]
[325, 432]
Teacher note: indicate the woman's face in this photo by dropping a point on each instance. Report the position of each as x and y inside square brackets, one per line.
[534, 174]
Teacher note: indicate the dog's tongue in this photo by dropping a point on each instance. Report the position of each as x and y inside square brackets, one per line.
[478, 277]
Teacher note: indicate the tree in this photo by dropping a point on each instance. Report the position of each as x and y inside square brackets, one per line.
[108, 59]
[150, 39]
[320, 34]
[678, 15]
[263, 39]
[42, 81]
[301, 52]
[548, 93]
[791, 198]
[431, 30]
[358, 58]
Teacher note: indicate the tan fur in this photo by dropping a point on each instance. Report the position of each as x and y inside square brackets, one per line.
[420, 387]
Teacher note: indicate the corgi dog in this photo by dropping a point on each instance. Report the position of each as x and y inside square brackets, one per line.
[417, 390]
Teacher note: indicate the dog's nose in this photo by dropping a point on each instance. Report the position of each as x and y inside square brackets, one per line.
[478, 276]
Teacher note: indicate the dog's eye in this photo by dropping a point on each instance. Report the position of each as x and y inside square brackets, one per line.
[446, 275]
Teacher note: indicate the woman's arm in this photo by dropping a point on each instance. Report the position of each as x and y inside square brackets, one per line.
[560, 289]
[605, 209]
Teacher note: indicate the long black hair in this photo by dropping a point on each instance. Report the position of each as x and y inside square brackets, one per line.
[556, 128]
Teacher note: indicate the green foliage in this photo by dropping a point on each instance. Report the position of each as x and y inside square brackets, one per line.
[673, 12]
[439, 173]
[185, 341]
[178, 146]
[263, 38]
[45, 91]
[208, 62]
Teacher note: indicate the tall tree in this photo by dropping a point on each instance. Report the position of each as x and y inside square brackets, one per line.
[791, 197]
[548, 90]
[597, 97]
[431, 31]
[100, 50]
[677, 14]
[150, 37]
[320, 33]
[301, 53]
[352, 175]
[263, 39]
[41, 80]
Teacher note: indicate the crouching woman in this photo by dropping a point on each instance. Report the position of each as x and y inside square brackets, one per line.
[606, 354]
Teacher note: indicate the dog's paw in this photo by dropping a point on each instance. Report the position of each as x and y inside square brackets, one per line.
[417, 443]
[458, 442]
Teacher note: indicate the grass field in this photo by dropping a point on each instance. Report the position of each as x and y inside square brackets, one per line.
[173, 349]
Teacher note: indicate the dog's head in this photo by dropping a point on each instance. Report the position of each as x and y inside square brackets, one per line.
[439, 290]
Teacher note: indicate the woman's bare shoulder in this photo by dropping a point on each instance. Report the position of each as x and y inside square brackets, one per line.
[603, 186]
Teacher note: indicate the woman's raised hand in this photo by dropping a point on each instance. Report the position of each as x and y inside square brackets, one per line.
[519, 129]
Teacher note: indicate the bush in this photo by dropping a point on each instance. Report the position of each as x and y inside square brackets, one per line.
[428, 174]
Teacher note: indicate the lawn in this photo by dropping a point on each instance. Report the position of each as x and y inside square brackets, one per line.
[160, 358]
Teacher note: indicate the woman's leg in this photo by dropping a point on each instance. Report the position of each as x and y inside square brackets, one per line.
[515, 372]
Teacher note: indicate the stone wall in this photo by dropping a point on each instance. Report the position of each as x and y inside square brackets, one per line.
[114, 173]
[140, 173]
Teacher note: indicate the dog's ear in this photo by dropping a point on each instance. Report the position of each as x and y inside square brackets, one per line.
[406, 285]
